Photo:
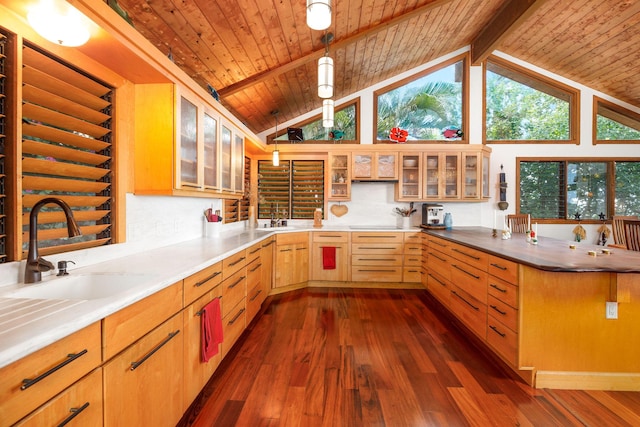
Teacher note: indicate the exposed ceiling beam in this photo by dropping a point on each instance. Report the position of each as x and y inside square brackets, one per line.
[313, 56]
[512, 14]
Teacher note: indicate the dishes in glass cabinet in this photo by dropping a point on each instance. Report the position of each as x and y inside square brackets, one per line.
[410, 163]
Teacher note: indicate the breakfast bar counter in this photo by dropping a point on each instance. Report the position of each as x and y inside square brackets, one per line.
[564, 318]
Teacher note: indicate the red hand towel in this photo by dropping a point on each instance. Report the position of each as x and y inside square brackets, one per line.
[328, 258]
[211, 329]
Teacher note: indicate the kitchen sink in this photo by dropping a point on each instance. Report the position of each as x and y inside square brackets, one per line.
[87, 286]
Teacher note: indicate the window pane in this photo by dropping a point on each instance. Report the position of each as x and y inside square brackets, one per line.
[587, 189]
[424, 107]
[615, 123]
[344, 120]
[627, 188]
[519, 107]
[542, 189]
[273, 189]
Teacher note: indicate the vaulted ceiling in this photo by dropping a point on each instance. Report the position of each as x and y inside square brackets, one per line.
[261, 56]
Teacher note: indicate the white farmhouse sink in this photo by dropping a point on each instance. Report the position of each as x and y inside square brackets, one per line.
[78, 287]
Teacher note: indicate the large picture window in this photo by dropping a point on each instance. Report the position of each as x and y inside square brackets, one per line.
[578, 189]
[522, 106]
[428, 106]
[614, 124]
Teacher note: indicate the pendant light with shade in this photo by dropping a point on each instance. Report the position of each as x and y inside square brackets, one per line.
[327, 113]
[275, 159]
[318, 14]
[325, 69]
[59, 22]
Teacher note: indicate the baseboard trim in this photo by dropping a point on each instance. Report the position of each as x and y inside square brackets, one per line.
[564, 380]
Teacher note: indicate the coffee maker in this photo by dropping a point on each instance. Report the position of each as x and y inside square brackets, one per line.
[432, 216]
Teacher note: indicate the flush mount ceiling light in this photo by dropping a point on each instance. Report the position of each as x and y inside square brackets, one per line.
[325, 70]
[327, 113]
[59, 22]
[318, 14]
[275, 159]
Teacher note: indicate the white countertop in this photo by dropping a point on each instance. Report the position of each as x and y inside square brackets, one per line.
[27, 325]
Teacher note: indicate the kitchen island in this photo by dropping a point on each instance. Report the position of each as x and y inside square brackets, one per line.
[556, 332]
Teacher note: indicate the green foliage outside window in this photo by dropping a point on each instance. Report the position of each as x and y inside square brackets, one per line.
[423, 107]
[611, 130]
[344, 120]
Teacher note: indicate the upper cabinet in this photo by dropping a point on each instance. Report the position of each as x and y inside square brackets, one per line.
[375, 166]
[183, 146]
[339, 177]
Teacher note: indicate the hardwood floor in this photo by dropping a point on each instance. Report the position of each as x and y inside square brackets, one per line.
[358, 357]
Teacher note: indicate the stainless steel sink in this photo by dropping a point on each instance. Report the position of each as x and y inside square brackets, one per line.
[87, 286]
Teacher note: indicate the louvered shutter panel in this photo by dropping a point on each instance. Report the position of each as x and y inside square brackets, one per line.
[3, 142]
[307, 190]
[273, 189]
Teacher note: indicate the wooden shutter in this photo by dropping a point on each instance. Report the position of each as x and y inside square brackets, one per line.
[238, 210]
[307, 189]
[66, 152]
[273, 189]
[3, 141]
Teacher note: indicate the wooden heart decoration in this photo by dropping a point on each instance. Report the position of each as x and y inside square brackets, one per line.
[339, 210]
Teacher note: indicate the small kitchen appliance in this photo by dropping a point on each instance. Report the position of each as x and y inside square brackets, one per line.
[432, 216]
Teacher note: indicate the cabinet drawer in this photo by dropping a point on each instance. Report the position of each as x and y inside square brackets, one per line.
[412, 238]
[233, 325]
[233, 291]
[254, 273]
[202, 282]
[439, 263]
[412, 260]
[81, 353]
[254, 252]
[413, 249]
[374, 237]
[376, 248]
[470, 311]
[129, 324]
[330, 237]
[292, 238]
[503, 269]
[506, 314]
[411, 274]
[82, 401]
[473, 257]
[376, 274]
[470, 279]
[440, 245]
[376, 260]
[439, 288]
[255, 297]
[504, 291]
[503, 340]
[233, 263]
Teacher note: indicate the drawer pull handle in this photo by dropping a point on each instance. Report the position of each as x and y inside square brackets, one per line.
[498, 288]
[135, 365]
[256, 295]
[285, 250]
[504, 313]
[217, 273]
[255, 268]
[466, 254]
[467, 302]
[376, 248]
[26, 383]
[237, 282]
[465, 271]
[377, 271]
[337, 247]
[232, 321]
[337, 236]
[74, 413]
[437, 280]
[436, 256]
[268, 244]
[199, 312]
[502, 334]
[254, 251]
[376, 259]
[498, 266]
[236, 262]
[301, 249]
[377, 237]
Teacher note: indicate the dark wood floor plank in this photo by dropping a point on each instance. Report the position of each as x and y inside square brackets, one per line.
[388, 358]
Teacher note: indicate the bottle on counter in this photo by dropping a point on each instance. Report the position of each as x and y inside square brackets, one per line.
[448, 221]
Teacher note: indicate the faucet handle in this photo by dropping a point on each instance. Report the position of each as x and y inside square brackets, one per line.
[62, 267]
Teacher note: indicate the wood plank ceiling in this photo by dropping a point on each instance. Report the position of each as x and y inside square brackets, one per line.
[261, 56]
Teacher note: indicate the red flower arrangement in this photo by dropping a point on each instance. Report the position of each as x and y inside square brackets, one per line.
[398, 135]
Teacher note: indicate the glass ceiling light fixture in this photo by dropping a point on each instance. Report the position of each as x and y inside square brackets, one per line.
[325, 70]
[59, 22]
[275, 159]
[327, 113]
[319, 14]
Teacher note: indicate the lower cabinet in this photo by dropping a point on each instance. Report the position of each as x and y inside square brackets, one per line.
[143, 385]
[292, 259]
[376, 257]
[337, 240]
[412, 258]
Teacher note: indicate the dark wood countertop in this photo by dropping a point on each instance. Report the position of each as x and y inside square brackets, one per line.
[549, 254]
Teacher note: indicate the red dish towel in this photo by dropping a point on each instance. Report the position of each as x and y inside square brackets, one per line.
[211, 329]
[328, 258]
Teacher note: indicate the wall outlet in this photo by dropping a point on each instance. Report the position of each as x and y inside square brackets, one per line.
[612, 310]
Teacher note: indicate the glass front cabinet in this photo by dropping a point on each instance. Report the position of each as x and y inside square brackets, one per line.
[409, 186]
[374, 166]
[339, 177]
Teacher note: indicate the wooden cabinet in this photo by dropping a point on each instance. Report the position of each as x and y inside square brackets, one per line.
[412, 258]
[502, 308]
[374, 166]
[231, 159]
[267, 257]
[376, 257]
[255, 291]
[234, 292]
[80, 404]
[410, 183]
[292, 259]
[33, 380]
[338, 240]
[339, 177]
[475, 175]
[143, 385]
[201, 282]
[455, 175]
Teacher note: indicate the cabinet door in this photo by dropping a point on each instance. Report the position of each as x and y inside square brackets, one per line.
[340, 273]
[266, 257]
[292, 264]
[470, 175]
[210, 143]
[363, 166]
[339, 177]
[238, 162]
[409, 187]
[226, 154]
[450, 164]
[188, 144]
[143, 385]
[485, 176]
[386, 166]
[431, 178]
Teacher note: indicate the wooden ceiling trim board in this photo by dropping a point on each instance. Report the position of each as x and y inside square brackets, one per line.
[600, 62]
[337, 45]
[261, 14]
[507, 20]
